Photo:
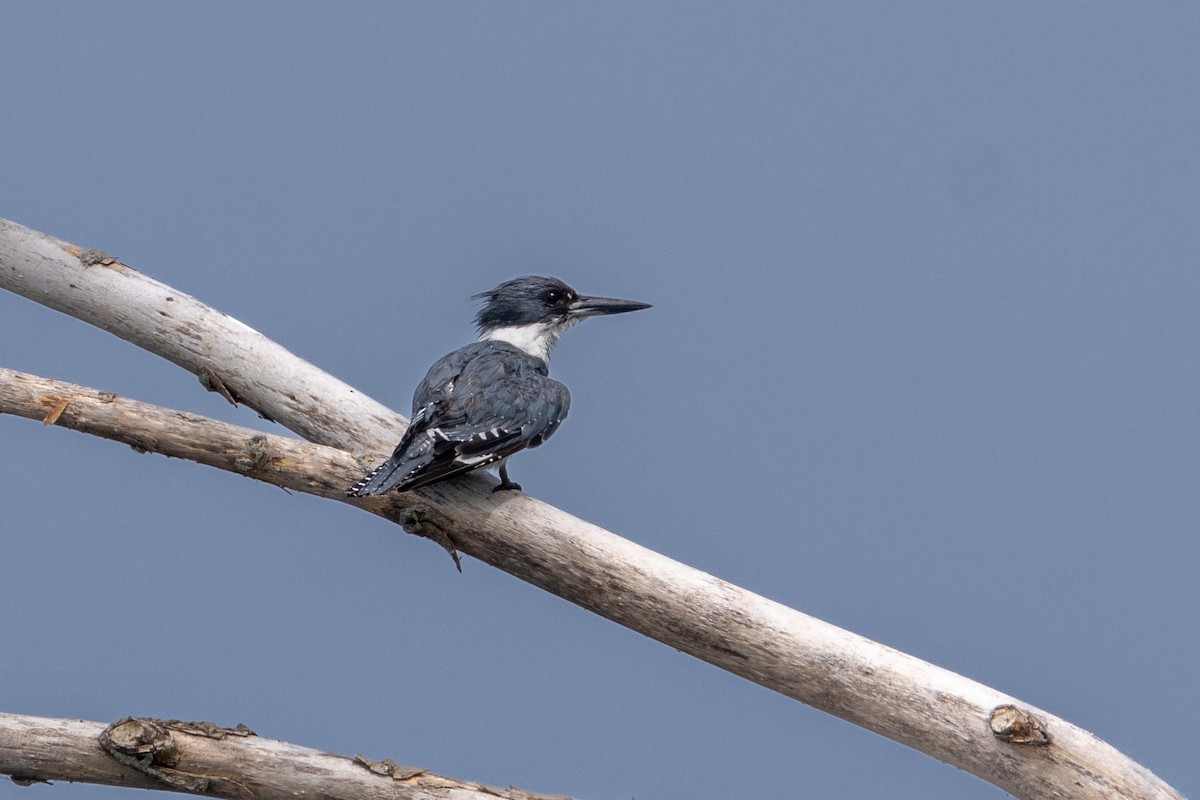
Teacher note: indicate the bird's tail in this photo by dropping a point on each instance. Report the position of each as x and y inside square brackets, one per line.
[383, 478]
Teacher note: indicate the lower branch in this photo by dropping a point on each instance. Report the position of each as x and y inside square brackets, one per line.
[202, 758]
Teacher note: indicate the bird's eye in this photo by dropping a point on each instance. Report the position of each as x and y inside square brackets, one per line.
[553, 296]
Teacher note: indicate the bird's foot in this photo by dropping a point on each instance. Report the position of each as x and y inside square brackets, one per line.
[505, 484]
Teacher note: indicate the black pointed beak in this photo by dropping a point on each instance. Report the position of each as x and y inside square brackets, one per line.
[597, 306]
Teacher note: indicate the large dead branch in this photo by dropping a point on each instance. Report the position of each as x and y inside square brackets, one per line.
[202, 758]
[1023, 750]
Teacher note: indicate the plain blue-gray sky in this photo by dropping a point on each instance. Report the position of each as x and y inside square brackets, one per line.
[922, 363]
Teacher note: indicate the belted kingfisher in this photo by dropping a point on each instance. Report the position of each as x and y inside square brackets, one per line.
[483, 402]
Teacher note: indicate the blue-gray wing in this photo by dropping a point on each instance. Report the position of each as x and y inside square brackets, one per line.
[476, 406]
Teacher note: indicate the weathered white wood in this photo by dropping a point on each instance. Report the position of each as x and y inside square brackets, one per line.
[913, 702]
[291, 463]
[200, 758]
[256, 371]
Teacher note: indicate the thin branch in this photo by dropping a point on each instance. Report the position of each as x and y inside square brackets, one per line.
[279, 460]
[290, 463]
[1021, 749]
[202, 758]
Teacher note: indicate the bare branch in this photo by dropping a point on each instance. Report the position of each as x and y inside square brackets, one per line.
[229, 357]
[292, 464]
[202, 758]
[931, 709]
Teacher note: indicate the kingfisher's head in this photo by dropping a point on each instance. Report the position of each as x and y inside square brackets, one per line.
[533, 311]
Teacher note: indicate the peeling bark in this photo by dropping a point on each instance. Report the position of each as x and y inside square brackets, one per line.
[203, 758]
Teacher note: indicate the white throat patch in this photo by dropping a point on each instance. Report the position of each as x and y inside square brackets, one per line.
[537, 339]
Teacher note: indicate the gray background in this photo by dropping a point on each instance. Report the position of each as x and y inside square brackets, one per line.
[921, 363]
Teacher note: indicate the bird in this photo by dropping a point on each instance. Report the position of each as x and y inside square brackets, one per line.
[494, 397]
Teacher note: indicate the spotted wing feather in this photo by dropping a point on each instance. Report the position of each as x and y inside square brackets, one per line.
[476, 406]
